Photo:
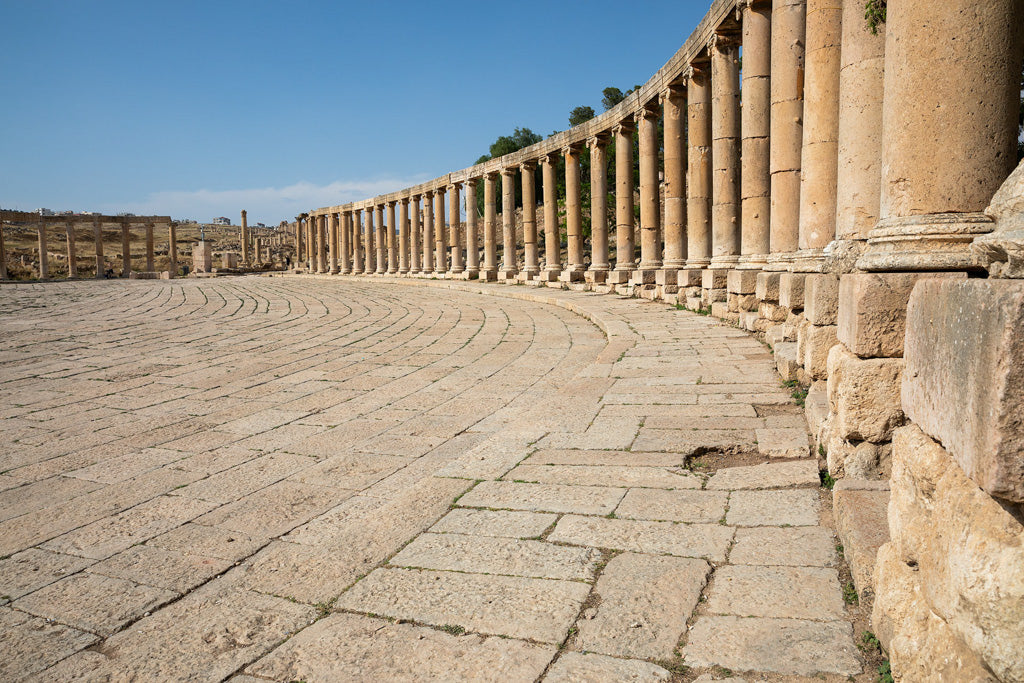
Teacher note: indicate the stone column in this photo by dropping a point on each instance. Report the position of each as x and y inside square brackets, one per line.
[69, 228]
[650, 204]
[698, 198]
[552, 232]
[300, 247]
[755, 129]
[246, 257]
[490, 269]
[531, 265]
[347, 242]
[819, 157]
[403, 234]
[382, 242]
[725, 150]
[371, 249]
[674, 108]
[3, 254]
[149, 247]
[172, 249]
[321, 244]
[126, 249]
[472, 251]
[509, 268]
[454, 228]
[333, 241]
[787, 85]
[440, 235]
[949, 129]
[44, 261]
[392, 236]
[624, 219]
[415, 235]
[357, 242]
[599, 265]
[97, 236]
[574, 267]
[428, 232]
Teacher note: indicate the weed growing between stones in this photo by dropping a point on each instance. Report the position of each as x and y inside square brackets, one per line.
[827, 482]
[850, 596]
[453, 629]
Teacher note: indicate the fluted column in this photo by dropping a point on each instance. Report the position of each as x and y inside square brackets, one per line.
[415, 236]
[371, 243]
[392, 236]
[126, 249]
[428, 232]
[755, 129]
[357, 242]
[332, 241]
[97, 236]
[490, 269]
[69, 230]
[787, 85]
[244, 238]
[948, 131]
[440, 235]
[508, 223]
[725, 154]
[382, 239]
[403, 235]
[650, 201]
[172, 249]
[472, 250]
[674, 110]
[574, 267]
[552, 233]
[531, 264]
[454, 227]
[624, 219]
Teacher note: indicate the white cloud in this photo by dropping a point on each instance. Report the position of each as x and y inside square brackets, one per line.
[268, 205]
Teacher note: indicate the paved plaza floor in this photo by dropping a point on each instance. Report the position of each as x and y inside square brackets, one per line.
[327, 479]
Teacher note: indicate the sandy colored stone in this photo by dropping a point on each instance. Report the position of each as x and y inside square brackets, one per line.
[817, 342]
[499, 523]
[537, 609]
[706, 541]
[780, 442]
[861, 522]
[766, 476]
[32, 569]
[811, 546]
[196, 539]
[821, 298]
[785, 646]
[574, 667]
[605, 458]
[783, 592]
[171, 570]
[773, 508]
[645, 603]
[506, 556]
[673, 506]
[274, 510]
[615, 475]
[791, 291]
[354, 647]
[350, 471]
[864, 395]
[31, 644]
[767, 287]
[593, 500]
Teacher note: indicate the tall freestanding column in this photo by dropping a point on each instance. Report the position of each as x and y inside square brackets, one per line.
[755, 129]
[3, 254]
[69, 229]
[508, 223]
[819, 157]
[472, 251]
[725, 154]
[321, 244]
[332, 241]
[948, 131]
[172, 249]
[246, 256]
[428, 232]
[490, 269]
[392, 236]
[382, 259]
[347, 240]
[531, 265]
[126, 249]
[787, 84]
[454, 225]
[674, 112]
[415, 235]
[599, 265]
[357, 241]
[552, 233]
[624, 219]
[574, 267]
[440, 236]
[44, 257]
[403, 233]
[650, 204]
[97, 236]
[698, 198]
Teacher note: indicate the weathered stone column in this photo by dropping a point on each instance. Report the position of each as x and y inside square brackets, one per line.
[440, 235]
[819, 156]
[725, 150]
[172, 249]
[44, 260]
[149, 247]
[698, 197]
[97, 236]
[552, 232]
[126, 249]
[509, 267]
[321, 244]
[403, 234]
[333, 241]
[392, 236]
[531, 265]
[574, 267]
[357, 242]
[787, 84]
[949, 129]
[69, 229]
[755, 128]
[472, 251]
[382, 259]
[300, 247]
[650, 201]
[625, 221]
[673, 102]
[490, 269]
[347, 228]
[3, 254]
[599, 265]
[371, 248]
[428, 232]
[415, 236]
[454, 227]
[244, 239]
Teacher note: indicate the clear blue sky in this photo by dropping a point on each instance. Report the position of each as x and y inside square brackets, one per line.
[199, 109]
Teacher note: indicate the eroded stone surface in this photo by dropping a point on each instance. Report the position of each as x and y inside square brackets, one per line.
[574, 667]
[783, 592]
[707, 541]
[773, 508]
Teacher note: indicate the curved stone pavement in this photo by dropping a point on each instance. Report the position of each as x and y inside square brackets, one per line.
[308, 478]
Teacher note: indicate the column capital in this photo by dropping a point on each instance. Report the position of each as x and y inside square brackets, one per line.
[672, 90]
[472, 181]
[509, 170]
[623, 127]
[722, 40]
[439, 190]
[572, 148]
[599, 140]
[428, 194]
[405, 200]
[490, 175]
[392, 202]
[693, 70]
[551, 158]
[528, 165]
[454, 185]
[649, 111]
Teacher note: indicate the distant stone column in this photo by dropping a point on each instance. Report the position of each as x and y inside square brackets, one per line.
[357, 242]
[3, 254]
[332, 241]
[574, 267]
[97, 236]
[126, 249]
[949, 129]
[371, 242]
[472, 250]
[403, 235]
[321, 244]
[531, 264]
[300, 247]
[552, 233]
[454, 228]
[392, 236]
[69, 228]
[382, 262]
[674, 108]
[787, 85]
[625, 221]
[509, 267]
[149, 247]
[820, 155]
[347, 242]
[440, 235]
[725, 150]
[415, 235]
[490, 269]
[172, 249]
[755, 129]
[428, 232]
[246, 256]
[650, 201]
[599, 264]
[44, 262]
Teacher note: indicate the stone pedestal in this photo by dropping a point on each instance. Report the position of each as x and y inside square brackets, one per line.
[202, 257]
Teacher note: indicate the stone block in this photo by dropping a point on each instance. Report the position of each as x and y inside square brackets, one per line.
[770, 311]
[964, 382]
[778, 333]
[748, 320]
[643, 277]
[818, 341]
[615, 277]
[689, 278]
[767, 287]
[860, 510]
[714, 278]
[821, 298]
[742, 302]
[968, 550]
[791, 291]
[863, 395]
[785, 360]
[693, 303]
[719, 309]
[666, 277]
[858, 460]
[801, 340]
[742, 281]
[816, 409]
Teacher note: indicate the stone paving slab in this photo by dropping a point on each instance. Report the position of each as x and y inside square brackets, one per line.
[674, 506]
[587, 500]
[707, 541]
[574, 667]
[605, 475]
[502, 523]
[773, 508]
[785, 592]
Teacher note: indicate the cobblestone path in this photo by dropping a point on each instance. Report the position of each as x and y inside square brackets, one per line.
[300, 478]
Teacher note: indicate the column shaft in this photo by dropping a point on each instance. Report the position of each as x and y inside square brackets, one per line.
[415, 235]
[508, 223]
[126, 249]
[625, 220]
[403, 233]
[599, 206]
[44, 261]
[3, 254]
[454, 227]
[357, 242]
[531, 264]
[244, 239]
[472, 251]
[382, 259]
[650, 202]
[392, 236]
[69, 227]
[573, 214]
[440, 239]
[97, 236]
[490, 226]
[755, 128]
[371, 249]
[725, 151]
[333, 241]
[552, 232]
[428, 232]
[149, 247]
[674, 109]
[321, 244]
[172, 249]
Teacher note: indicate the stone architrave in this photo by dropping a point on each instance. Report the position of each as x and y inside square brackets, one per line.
[674, 112]
[508, 223]
[490, 269]
[531, 264]
[755, 131]
[552, 232]
[472, 250]
[454, 228]
[698, 197]
[69, 229]
[599, 264]
[440, 234]
[428, 232]
[574, 266]
[725, 150]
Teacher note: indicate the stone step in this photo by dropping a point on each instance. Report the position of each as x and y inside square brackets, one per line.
[860, 508]
[786, 360]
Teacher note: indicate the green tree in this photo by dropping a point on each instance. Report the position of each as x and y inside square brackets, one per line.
[611, 96]
[581, 114]
[506, 144]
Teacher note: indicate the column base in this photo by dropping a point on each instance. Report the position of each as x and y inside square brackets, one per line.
[549, 275]
[619, 276]
[488, 275]
[571, 275]
[644, 276]
[730, 261]
[335, 271]
[752, 262]
[667, 276]
[779, 262]
[596, 276]
[937, 241]
[808, 261]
